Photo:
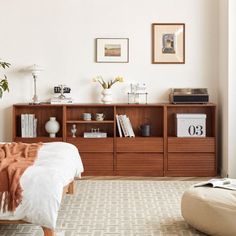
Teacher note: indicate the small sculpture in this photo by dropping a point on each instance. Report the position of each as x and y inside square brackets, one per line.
[73, 130]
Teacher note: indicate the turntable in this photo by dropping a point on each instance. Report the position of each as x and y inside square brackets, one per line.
[189, 95]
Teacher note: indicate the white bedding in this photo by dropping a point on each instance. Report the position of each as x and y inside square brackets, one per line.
[56, 166]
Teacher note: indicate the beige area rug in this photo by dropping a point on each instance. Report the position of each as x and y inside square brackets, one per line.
[118, 208]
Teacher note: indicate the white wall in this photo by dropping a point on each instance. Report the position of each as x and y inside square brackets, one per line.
[223, 86]
[59, 35]
[232, 87]
[227, 85]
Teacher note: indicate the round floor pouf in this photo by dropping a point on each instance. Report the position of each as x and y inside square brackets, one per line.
[210, 210]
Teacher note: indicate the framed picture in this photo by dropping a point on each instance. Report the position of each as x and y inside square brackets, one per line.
[168, 43]
[112, 50]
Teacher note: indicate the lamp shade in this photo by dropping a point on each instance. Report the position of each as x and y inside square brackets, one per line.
[36, 69]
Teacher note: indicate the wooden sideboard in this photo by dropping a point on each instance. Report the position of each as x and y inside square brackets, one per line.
[161, 154]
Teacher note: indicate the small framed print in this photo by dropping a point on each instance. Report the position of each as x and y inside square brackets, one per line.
[168, 43]
[112, 50]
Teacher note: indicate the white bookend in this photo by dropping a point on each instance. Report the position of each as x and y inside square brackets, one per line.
[27, 125]
[35, 128]
[123, 125]
[22, 125]
[130, 128]
[118, 125]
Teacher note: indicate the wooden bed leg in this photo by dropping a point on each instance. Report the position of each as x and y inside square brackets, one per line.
[71, 188]
[48, 232]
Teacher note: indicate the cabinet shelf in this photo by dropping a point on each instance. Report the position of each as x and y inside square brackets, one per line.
[90, 122]
[38, 139]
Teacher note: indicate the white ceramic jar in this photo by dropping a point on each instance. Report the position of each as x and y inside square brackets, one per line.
[52, 127]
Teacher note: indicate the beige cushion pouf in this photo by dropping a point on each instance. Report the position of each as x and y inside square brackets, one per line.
[210, 210]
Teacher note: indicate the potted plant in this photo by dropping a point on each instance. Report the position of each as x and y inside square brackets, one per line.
[3, 81]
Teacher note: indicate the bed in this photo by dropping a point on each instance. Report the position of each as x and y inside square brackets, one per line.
[53, 173]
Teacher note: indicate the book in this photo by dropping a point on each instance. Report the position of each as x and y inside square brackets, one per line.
[26, 125]
[123, 126]
[31, 125]
[218, 183]
[130, 128]
[57, 100]
[35, 128]
[23, 125]
[118, 125]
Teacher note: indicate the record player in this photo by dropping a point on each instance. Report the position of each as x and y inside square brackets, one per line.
[189, 95]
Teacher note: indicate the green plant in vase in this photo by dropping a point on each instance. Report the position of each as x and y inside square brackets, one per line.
[3, 81]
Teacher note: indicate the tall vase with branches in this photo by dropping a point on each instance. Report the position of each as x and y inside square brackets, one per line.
[3, 81]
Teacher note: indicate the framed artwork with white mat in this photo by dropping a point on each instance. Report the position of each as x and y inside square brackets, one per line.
[168, 43]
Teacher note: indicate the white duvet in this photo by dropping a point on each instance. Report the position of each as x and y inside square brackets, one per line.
[56, 166]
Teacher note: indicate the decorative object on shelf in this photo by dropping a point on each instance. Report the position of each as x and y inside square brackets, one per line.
[99, 116]
[138, 93]
[61, 99]
[106, 85]
[73, 130]
[112, 50]
[189, 95]
[3, 82]
[191, 125]
[145, 130]
[87, 116]
[95, 133]
[106, 96]
[168, 43]
[52, 127]
[35, 70]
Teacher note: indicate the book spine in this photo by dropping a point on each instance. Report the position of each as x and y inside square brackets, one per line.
[131, 131]
[23, 125]
[118, 125]
[31, 125]
[35, 127]
[26, 125]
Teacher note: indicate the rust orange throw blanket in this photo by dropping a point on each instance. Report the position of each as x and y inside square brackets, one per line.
[14, 159]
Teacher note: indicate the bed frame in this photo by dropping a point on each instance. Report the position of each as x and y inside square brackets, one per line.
[69, 189]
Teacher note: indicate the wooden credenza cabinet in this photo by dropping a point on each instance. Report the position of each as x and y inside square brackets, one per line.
[161, 154]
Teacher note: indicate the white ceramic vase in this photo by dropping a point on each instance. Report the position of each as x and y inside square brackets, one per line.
[52, 127]
[107, 96]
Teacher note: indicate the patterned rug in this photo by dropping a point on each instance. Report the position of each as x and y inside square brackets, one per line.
[118, 208]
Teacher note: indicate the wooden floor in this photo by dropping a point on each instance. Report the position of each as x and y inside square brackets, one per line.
[146, 178]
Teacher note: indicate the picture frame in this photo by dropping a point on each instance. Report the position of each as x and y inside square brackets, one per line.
[168, 43]
[112, 50]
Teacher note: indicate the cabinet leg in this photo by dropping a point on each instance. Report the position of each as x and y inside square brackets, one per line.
[71, 188]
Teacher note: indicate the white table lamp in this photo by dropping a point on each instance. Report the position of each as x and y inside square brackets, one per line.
[35, 70]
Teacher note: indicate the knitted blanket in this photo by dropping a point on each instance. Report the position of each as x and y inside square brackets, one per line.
[15, 158]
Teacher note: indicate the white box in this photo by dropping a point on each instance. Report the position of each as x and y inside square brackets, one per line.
[191, 125]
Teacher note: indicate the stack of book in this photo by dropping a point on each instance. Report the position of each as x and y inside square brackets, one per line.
[28, 126]
[124, 126]
[56, 100]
